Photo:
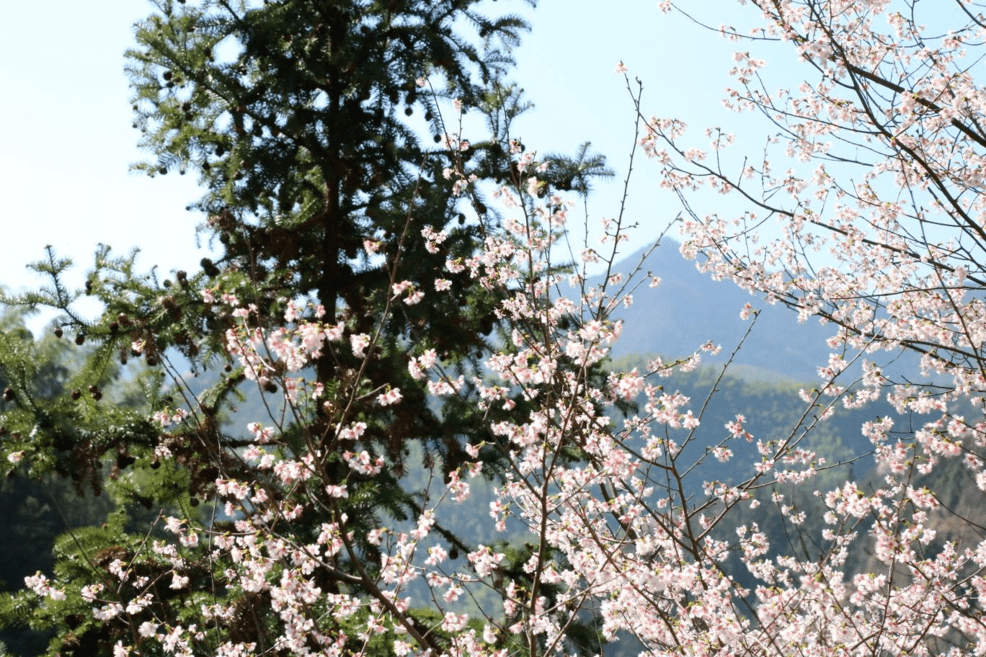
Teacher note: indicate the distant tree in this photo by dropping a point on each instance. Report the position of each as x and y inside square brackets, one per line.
[35, 373]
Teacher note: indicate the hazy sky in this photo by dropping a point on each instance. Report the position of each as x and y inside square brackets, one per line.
[66, 138]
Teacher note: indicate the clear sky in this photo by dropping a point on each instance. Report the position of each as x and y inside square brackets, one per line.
[66, 138]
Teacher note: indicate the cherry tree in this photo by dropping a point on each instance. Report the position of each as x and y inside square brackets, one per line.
[865, 210]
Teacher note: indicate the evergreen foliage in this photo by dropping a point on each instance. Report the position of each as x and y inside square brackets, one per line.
[35, 374]
[304, 121]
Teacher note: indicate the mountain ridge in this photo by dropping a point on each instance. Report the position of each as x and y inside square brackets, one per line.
[689, 308]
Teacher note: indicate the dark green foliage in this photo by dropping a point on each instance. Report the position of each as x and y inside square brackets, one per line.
[290, 113]
[36, 376]
[35, 512]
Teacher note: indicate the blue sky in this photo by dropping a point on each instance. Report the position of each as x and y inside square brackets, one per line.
[66, 139]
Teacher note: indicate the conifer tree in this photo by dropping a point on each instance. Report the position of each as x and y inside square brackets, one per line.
[304, 121]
